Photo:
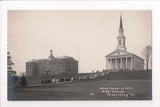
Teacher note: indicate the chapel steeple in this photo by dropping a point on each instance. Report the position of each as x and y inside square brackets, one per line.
[121, 25]
[121, 38]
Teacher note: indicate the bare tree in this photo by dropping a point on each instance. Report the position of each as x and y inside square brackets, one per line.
[147, 53]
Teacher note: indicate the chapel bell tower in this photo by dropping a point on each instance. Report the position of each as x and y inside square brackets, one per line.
[121, 38]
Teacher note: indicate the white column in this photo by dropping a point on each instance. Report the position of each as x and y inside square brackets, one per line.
[126, 62]
[116, 63]
[107, 63]
[121, 63]
[110, 63]
[131, 64]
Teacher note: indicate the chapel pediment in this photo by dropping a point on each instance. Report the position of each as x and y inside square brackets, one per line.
[118, 53]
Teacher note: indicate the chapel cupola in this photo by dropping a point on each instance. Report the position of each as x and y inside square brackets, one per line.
[51, 57]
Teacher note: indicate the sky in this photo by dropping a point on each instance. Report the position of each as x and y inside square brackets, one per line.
[86, 35]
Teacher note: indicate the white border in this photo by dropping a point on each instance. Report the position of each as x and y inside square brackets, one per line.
[81, 5]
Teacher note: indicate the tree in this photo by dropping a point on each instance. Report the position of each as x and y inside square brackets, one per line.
[12, 77]
[147, 53]
[9, 62]
[23, 80]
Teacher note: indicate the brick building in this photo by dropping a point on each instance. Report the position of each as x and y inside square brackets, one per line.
[52, 66]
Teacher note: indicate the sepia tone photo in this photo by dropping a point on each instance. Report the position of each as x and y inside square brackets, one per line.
[79, 55]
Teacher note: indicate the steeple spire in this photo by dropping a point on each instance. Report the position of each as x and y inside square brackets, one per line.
[121, 38]
[121, 24]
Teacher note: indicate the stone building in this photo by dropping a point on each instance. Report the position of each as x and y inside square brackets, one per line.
[52, 66]
[120, 59]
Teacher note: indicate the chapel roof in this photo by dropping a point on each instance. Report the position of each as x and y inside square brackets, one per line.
[121, 54]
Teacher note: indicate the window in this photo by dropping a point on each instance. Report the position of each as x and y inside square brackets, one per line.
[119, 42]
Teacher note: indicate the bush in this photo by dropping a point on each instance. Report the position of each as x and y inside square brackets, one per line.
[23, 81]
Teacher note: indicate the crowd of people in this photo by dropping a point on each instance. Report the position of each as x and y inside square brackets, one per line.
[73, 78]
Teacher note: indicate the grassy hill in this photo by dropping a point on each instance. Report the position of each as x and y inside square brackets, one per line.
[134, 89]
[123, 75]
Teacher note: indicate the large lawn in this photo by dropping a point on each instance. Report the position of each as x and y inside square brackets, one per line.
[97, 89]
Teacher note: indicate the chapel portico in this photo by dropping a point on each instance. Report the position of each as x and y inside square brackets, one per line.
[120, 63]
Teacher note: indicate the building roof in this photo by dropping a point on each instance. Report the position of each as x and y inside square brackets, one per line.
[33, 60]
[121, 53]
[45, 59]
[64, 57]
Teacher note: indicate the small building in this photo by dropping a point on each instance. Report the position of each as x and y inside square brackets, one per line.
[120, 59]
[52, 66]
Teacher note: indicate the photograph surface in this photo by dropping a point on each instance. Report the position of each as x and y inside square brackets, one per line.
[79, 55]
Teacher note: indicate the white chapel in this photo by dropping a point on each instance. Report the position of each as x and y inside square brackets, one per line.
[120, 59]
